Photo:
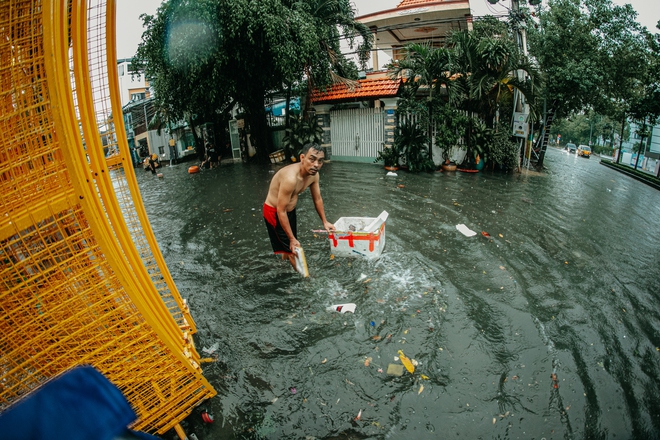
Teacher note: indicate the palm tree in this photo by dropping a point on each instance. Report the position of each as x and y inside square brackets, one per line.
[486, 74]
[333, 19]
[486, 69]
[429, 67]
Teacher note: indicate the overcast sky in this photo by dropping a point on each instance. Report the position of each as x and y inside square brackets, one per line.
[129, 25]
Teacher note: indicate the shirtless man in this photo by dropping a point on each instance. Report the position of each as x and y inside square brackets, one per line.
[280, 206]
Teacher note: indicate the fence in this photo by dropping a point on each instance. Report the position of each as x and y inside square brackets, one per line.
[82, 279]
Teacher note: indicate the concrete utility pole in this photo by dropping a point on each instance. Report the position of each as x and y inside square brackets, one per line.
[519, 106]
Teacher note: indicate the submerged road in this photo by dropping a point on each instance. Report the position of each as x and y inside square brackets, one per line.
[548, 330]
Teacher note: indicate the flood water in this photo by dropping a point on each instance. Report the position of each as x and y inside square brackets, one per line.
[548, 331]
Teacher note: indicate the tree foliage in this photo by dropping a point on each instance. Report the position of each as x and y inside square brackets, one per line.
[202, 56]
[592, 53]
[471, 79]
[486, 68]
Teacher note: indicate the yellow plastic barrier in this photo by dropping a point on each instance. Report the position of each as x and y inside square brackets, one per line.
[81, 278]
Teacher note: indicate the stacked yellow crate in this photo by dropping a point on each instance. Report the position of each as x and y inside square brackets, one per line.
[82, 279]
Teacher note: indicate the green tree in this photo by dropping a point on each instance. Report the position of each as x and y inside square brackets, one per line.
[333, 20]
[476, 73]
[487, 67]
[174, 70]
[590, 52]
[203, 56]
[428, 67]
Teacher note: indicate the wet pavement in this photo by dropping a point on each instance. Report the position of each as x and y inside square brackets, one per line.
[549, 329]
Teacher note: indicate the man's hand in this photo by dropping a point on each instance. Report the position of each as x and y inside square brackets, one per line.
[294, 244]
[329, 227]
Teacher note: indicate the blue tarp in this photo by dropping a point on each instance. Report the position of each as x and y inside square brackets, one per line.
[277, 109]
[80, 404]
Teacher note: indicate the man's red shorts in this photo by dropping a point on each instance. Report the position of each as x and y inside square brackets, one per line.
[278, 238]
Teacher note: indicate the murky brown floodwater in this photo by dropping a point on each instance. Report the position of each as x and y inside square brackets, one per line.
[569, 286]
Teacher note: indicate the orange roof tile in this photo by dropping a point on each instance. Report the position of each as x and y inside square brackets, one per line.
[406, 3]
[367, 88]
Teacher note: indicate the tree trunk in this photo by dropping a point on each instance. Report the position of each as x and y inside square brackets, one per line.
[623, 127]
[430, 129]
[199, 143]
[258, 125]
[641, 142]
[308, 97]
[288, 103]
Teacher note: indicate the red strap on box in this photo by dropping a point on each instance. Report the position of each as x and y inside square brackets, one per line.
[372, 237]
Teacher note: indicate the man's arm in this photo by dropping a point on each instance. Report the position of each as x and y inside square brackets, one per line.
[287, 187]
[318, 204]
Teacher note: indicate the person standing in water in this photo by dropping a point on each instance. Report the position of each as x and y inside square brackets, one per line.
[280, 205]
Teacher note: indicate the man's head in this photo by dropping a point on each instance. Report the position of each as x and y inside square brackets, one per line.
[311, 158]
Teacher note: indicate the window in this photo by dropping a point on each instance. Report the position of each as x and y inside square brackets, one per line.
[121, 70]
[161, 150]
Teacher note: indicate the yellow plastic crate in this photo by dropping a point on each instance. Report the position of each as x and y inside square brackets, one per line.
[81, 278]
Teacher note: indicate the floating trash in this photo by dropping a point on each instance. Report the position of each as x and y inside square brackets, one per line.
[206, 417]
[342, 308]
[395, 370]
[465, 230]
[406, 362]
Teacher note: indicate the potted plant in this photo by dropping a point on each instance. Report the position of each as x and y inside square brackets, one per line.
[451, 123]
[481, 139]
[389, 155]
[447, 163]
[411, 140]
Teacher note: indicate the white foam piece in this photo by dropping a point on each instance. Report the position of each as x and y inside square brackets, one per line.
[465, 230]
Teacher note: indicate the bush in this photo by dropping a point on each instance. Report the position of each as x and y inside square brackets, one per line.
[503, 151]
[451, 125]
[602, 149]
[410, 140]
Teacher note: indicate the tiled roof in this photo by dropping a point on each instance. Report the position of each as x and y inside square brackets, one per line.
[367, 89]
[406, 3]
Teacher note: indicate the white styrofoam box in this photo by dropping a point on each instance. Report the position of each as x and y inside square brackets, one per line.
[359, 236]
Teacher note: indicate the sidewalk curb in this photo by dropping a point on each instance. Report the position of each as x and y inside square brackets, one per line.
[633, 175]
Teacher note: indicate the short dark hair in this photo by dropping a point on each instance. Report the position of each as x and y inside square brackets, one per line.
[311, 145]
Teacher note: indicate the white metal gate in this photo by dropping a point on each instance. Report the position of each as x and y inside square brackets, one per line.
[357, 134]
